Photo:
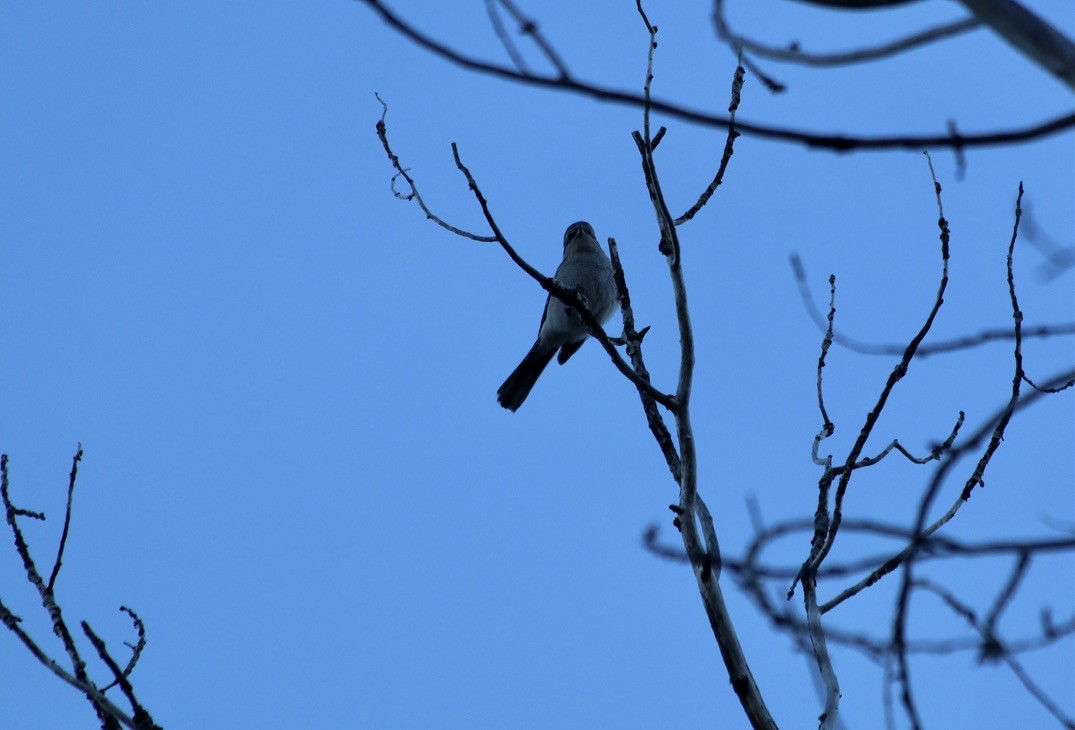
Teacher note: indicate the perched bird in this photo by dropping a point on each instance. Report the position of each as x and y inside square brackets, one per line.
[587, 270]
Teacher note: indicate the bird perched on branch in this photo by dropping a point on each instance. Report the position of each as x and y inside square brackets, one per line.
[587, 270]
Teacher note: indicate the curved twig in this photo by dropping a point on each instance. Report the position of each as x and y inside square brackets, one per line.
[794, 54]
[382, 134]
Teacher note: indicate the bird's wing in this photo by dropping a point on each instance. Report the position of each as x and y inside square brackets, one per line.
[544, 313]
[568, 350]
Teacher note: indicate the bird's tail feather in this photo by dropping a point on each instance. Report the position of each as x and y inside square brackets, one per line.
[518, 385]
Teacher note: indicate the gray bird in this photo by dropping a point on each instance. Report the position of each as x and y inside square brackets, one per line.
[587, 270]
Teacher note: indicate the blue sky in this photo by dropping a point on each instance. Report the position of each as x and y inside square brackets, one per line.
[284, 379]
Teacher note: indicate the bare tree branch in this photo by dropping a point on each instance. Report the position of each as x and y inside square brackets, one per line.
[382, 134]
[1000, 651]
[932, 548]
[966, 342]
[136, 649]
[1008, 592]
[827, 529]
[529, 27]
[66, 519]
[928, 535]
[737, 89]
[633, 342]
[48, 600]
[505, 39]
[899, 628]
[794, 54]
[142, 719]
[812, 633]
[110, 716]
[12, 623]
[705, 562]
[837, 142]
[1031, 35]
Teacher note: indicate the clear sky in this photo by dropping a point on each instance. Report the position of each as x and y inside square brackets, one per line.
[284, 379]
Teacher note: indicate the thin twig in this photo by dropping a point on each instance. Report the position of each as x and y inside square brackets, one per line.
[633, 342]
[136, 649]
[66, 519]
[729, 142]
[1007, 593]
[20, 512]
[529, 27]
[827, 426]
[505, 39]
[382, 134]
[818, 640]
[935, 453]
[1048, 389]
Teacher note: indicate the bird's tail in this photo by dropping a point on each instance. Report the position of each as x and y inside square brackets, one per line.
[518, 385]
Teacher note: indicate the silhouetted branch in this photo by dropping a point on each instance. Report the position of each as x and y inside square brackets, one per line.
[928, 535]
[725, 158]
[977, 478]
[959, 343]
[530, 27]
[136, 649]
[66, 518]
[1048, 388]
[48, 600]
[1032, 36]
[110, 716]
[505, 39]
[996, 649]
[633, 342]
[382, 134]
[697, 530]
[705, 561]
[142, 719]
[839, 142]
[827, 528]
[932, 548]
[11, 621]
[857, 4]
[752, 573]
[794, 54]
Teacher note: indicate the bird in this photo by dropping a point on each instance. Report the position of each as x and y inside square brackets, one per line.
[587, 270]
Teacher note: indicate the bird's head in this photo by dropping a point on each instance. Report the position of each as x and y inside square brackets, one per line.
[577, 230]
